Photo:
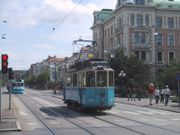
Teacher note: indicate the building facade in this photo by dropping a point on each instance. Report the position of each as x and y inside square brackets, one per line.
[148, 29]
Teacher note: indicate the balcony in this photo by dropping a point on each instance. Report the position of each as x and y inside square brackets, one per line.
[159, 62]
[141, 46]
[120, 29]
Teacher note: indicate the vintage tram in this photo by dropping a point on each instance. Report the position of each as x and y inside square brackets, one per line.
[89, 85]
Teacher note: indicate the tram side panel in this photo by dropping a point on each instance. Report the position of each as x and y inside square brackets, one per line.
[98, 98]
[71, 94]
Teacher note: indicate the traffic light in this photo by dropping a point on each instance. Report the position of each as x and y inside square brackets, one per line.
[4, 63]
[10, 73]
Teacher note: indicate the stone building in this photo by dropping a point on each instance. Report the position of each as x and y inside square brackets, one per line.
[148, 29]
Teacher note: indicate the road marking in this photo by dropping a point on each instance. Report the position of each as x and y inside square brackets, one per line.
[23, 113]
[45, 102]
[130, 112]
[176, 119]
[149, 113]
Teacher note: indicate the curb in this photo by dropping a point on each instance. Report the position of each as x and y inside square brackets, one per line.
[18, 128]
[147, 106]
[57, 96]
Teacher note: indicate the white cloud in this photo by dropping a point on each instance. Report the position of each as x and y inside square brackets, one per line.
[48, 11]
[44, 47]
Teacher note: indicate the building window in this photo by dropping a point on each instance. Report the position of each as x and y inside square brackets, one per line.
[105, 33]
[170, 22]
[137, 55]
[147, 20]
[132, 19]
[140, 37]
[170, 40]
[111, 29]
[171, 56]
[158, 39]
[159, 56]
[139, 20]
[140, 2]
[140, 55]
[158, 22]
[120, 22]
[143, 55]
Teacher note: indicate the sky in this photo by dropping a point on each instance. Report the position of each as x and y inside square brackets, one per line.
[36, 29]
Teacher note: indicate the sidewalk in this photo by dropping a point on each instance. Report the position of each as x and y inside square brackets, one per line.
[9, 121]
[174, 107]
[143, 103]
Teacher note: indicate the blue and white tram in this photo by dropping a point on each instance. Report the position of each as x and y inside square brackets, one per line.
[17, 86]
[90, 86]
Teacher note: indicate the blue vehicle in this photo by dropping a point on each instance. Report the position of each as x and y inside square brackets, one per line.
[17, 87]
[90, 85]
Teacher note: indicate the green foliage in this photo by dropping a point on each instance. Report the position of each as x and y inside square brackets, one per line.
[167, 75]
[137, 73]
[175, 99]
[39, 81]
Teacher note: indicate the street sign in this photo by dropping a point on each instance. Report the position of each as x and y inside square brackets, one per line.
[178, 76]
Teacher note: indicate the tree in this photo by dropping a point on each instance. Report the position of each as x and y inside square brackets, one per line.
[167, 75]
[39, 81]
[137, 73]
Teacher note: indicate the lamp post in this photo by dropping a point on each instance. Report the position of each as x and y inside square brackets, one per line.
[122, 76]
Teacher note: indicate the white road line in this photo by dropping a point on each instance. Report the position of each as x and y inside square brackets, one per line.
[45, 102]
[23, 113]
[176, 119]
[130, 112]
[143, 112]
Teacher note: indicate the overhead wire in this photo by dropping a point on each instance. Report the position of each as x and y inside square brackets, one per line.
[62, 21]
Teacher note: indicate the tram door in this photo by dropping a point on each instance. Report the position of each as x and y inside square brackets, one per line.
[102, 96]
[102, 84]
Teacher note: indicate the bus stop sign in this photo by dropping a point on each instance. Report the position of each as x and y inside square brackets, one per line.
[178, 76]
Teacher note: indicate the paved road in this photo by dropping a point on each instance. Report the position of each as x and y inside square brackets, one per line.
[41, 113]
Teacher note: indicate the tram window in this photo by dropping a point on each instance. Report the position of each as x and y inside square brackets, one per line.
[68, 81]
[13, 84]
[111, 81]
[101, 78]
[75, 79]
[90, 79]
[19, 84]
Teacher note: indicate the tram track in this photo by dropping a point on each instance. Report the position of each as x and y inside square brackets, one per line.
[67, 114]
[52, 111]
[136, 121]
[37, 116]
[142, 123]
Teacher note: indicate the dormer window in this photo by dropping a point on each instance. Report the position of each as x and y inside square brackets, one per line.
[140, 2]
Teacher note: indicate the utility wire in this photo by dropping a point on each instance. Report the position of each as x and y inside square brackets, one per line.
[62, 21]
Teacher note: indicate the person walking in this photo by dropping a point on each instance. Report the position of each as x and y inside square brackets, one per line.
[139, 92]
[133, 97]
[128, 93]
[162, 96]
[156, 94]
[166, 94]
[150, 91]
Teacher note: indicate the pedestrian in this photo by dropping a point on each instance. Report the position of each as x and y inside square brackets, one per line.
[150, 91]
[133, 94]
[157, 94]
[166, 94]
[139, 92]
[128, 93]
[162, 96]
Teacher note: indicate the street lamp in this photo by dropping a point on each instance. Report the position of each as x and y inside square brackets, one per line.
[122, 76]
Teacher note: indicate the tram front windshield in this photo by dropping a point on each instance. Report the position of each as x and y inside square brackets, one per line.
[18, 84]
[101, 79]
